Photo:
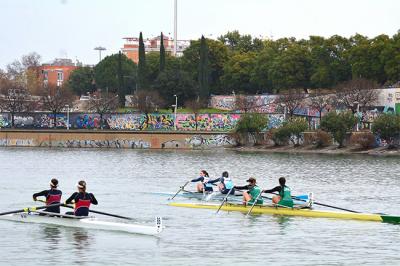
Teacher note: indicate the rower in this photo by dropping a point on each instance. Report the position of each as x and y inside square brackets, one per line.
[204, 185]
[53, 196]
[82, 200]
[225, 185]
[252, 193]
[284, 198]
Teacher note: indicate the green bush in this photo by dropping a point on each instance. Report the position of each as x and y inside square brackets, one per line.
[290, 131]
[338, 125]
[251, 124]
[387, 127]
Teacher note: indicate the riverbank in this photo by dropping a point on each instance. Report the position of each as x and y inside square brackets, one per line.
[332, 150]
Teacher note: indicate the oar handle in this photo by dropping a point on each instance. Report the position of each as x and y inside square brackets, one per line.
[180, 189]
[225, 199]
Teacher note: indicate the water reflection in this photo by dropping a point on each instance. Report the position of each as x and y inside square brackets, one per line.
[52, 235]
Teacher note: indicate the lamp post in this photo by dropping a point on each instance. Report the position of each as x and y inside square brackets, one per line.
[88, 93]
[284, 111]
[67, 105]
[176, 106]
[357, 115]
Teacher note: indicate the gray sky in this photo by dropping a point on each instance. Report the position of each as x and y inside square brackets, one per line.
[72, 28]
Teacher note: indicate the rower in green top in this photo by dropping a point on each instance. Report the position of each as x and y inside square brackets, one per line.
[252, 192]
[285, 197]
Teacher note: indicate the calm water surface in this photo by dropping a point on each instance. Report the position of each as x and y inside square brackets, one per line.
[192, 236]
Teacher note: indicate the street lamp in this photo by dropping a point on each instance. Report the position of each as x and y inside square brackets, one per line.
[357, 115]
[99, 48]
[88, 93]
[176, 106]
[67, 105]
[284, 111]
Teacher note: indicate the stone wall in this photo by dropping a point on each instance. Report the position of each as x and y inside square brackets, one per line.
[112, 139]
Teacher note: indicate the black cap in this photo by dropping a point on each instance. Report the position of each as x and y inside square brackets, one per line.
[54, 182]
[251, 180]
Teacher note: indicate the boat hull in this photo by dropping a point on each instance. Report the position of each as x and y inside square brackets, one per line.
[294, 212]
[89, 223]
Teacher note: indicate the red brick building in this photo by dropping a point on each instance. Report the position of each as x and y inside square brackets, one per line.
[56, 72]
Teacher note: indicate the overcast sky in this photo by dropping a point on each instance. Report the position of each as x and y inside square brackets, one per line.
[72, 28]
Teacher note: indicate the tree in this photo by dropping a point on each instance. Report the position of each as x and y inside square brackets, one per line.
[175, 81]
[142, 68]
[81, 80]
[217, 56]
[103, 103]
[195, 106]
[162, 53]
[291, 100]
[238, 72]
[16, 99]
[121, 88]
[108, 76]
[240, 43]
[320, 101]
[291, 68]
[244, 103]
[338, 125]
[251, 125]
[357, 93]
[203, 78]
[147, 101]
[54, 99]
[387, 127]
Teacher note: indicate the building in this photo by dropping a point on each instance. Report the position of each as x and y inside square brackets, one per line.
[131, 46]
[56, 72]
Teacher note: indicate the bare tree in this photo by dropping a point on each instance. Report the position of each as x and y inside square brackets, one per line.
[103, 103]
[54, 99]
[291, 100]
[195, 106]
[320, 101]
[15, 99]
[357, 93]
[147, 101]
[245, 103]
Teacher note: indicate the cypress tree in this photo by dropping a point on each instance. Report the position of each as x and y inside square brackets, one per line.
[142, 71]
[162, 53]
[203, 70]
[121, 89]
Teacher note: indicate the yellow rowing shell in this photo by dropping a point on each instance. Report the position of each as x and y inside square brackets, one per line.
[293, 212]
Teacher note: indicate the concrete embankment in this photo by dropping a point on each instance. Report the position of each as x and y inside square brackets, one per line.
[114, 139]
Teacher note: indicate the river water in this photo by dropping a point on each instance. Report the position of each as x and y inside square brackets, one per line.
[119, 179]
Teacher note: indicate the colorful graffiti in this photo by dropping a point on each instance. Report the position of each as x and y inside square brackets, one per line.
[47, 121]
[17, 142]
[86, 121]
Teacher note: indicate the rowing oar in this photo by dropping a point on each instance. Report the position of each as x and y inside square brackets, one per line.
[322, 204]
[98, 212]
[29, 209]
[180, 189]
[254, 203]
[226, 197]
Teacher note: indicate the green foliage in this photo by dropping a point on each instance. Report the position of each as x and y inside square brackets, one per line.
[142, 81]
[241, 43]
[162, 53]
[204, 72]
[237, 73]
[106, 74]
[217, 56]
[81, 80]
[251, 123]
[338, 125]
[387, 127]
[290, 130]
